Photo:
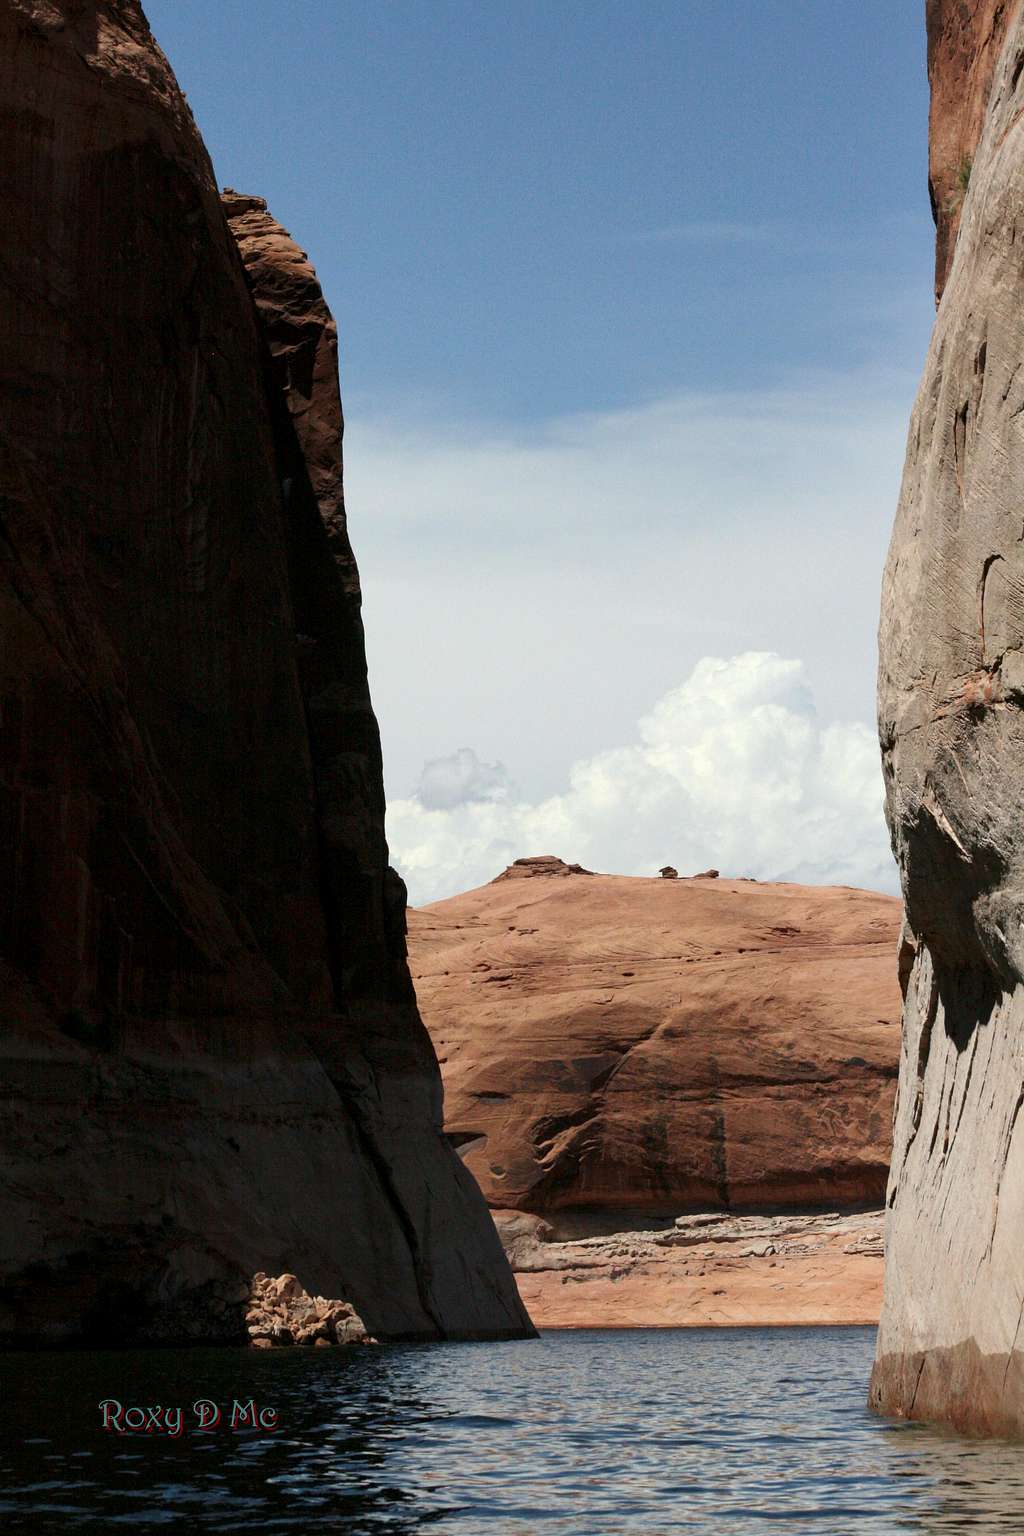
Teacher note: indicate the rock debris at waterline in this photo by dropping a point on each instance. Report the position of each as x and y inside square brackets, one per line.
[281, 1313]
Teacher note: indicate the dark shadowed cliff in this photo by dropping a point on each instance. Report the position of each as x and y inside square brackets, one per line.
[212, 1058]
[951, 722]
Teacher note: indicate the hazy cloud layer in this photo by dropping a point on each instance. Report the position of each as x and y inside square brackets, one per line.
[533, 591]
[733, 768]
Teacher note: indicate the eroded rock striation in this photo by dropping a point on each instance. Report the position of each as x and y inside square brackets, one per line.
[212, 1059]
[619, 1049]
[951, 691]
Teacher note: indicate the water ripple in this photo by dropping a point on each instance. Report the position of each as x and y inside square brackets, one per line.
[719, 1431]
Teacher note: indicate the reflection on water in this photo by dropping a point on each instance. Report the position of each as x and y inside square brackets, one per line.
[736, 1430]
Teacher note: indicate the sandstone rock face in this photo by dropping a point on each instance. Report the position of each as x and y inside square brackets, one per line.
[620, 1049]
[211, 1052]
[964, 42]
[951, 690]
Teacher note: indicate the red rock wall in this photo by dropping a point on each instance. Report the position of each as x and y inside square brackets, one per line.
[617, 1049]
[210, 1037]
[964, 41]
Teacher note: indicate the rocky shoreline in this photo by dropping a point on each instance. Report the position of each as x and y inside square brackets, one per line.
[704, 1270]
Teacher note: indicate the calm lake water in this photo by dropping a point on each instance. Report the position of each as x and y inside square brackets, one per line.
[738, 1430]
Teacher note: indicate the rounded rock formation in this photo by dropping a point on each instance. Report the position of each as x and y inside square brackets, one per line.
[619, 1049]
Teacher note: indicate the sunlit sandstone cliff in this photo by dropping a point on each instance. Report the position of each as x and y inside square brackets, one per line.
[951, 691]
[618, 1052]
[211, 1054]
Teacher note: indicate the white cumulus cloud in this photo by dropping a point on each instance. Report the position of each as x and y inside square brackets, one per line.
[731, 769]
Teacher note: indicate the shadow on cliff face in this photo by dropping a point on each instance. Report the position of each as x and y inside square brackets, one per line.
[969, 999]
[99, 1289]
[950, 894]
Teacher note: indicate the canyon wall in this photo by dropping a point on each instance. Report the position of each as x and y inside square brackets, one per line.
[212, 1058]
[951, 722]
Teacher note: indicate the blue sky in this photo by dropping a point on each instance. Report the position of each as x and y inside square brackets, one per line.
[541, 206]
[632, 302]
